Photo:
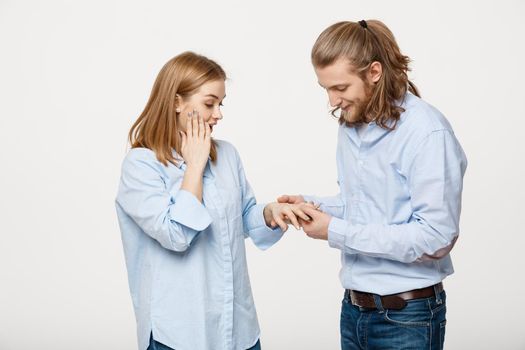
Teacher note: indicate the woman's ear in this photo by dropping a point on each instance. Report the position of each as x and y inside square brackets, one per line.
[374, 72]
[178, 101]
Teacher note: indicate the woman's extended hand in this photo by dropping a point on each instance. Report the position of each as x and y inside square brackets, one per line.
[282, 214]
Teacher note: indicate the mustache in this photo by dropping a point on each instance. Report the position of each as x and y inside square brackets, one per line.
[339, 111]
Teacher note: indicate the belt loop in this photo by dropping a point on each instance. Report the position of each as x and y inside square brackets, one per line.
[437, 294]
[379, 304]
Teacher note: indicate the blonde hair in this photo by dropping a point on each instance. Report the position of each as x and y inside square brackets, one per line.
[363, 43]
[157, 126]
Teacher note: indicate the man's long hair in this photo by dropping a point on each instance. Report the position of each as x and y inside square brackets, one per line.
[363, 43]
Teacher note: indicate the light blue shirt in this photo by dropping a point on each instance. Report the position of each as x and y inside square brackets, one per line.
[186, 260]
[397, 214]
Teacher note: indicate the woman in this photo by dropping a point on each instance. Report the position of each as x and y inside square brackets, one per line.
[184, 208]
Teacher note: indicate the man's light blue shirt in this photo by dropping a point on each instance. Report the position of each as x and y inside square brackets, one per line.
[396, 217]
[186, 260]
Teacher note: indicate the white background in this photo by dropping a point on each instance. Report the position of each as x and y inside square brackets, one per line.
[75, 75]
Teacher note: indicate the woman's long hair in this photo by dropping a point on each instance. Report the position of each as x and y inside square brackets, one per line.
[157, 126]
[363, 43]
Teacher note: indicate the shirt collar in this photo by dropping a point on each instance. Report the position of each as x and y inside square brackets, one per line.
[180, 163]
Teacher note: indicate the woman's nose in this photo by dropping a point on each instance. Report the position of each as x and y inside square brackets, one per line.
[217, 115]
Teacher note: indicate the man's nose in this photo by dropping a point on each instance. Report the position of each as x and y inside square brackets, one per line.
[334, 99]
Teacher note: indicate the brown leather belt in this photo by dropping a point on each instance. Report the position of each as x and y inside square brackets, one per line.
[393, 301]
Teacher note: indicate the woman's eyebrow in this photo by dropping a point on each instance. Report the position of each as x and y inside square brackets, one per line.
[212, 95]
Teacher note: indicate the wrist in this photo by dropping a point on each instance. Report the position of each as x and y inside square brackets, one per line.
[195, 170]
[267, 214]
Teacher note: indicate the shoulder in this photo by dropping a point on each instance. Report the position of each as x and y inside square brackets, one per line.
[421, 117]
[226, 149]
[141, 159]
[419, 121]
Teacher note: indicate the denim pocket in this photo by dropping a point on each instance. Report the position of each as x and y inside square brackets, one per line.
[415, 314]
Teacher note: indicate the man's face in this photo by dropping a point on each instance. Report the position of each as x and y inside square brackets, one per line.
[346, 90]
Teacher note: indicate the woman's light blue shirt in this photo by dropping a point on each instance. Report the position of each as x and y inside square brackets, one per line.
[186, 260]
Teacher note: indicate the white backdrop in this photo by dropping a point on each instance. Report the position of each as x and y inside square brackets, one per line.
[75, 75]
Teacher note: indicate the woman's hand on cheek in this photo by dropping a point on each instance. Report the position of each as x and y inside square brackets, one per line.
[196, 141]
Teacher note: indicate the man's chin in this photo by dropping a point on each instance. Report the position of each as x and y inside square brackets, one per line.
[349, 117]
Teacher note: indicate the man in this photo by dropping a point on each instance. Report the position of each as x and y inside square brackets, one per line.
[400, 172]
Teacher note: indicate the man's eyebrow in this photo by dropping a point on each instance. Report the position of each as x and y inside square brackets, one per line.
[333, 86]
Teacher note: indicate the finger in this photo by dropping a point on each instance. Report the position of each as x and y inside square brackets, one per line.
[281, 223]
[311, 212]
[183, 139]
[313, 205]
[202, 132]
[283, 199]
[302, 222]
[296, 199]
[310, 205]
[195, 124]
[188, 125]
[298, 212]
[293, 219]
[273, 223]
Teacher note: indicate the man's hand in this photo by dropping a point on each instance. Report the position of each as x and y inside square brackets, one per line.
[317, 227]
[282, 214]
[290, 199]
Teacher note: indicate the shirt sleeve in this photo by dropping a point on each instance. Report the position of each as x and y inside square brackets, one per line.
[333, 206]
[252, 216]
[435, 182]
[174, 221]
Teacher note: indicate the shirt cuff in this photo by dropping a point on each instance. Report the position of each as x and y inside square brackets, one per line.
[336, 233]
[187, 210]
[262, 236]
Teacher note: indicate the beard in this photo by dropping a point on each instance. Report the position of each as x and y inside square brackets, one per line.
[355, 113]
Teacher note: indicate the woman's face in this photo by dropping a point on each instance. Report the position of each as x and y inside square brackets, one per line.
[207, 101]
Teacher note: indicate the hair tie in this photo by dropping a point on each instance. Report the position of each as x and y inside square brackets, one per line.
[363, 24]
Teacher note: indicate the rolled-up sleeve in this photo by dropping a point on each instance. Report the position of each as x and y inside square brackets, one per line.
[255, 227]
[174, 221]
[253, 217]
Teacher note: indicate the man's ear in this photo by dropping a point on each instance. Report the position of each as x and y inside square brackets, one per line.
[374, 72]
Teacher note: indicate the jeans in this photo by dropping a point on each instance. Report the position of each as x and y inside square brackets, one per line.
[420, 325]
[155, 345]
